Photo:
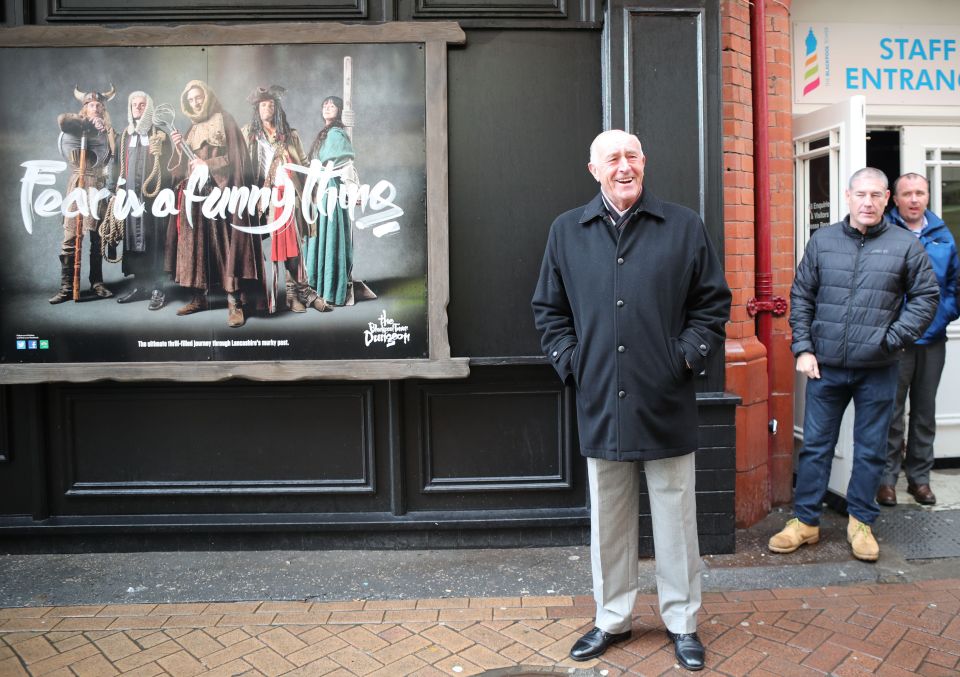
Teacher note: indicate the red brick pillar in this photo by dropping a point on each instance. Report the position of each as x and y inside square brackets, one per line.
[780, 103]
[746, 357]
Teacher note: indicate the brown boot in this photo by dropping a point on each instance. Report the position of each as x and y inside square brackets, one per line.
[793, 535]
[235, 316]
[321, 305]
[887, 495]
[294, 303]
[197, 303]
[861, 540]
[922, 493]
[66, 280]
[65, 293]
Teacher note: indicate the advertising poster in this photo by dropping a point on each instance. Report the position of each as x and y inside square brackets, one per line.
[289, 223]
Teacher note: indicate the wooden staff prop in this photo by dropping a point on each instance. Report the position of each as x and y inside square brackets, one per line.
[347, 113]
[78, 240]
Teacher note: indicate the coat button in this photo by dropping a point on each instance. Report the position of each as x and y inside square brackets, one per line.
[620, 261]
[619, 303]
[703, 347]
[621, 349]
[554, 353]
[622, 394]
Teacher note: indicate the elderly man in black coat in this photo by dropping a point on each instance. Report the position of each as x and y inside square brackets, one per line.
[631, 302]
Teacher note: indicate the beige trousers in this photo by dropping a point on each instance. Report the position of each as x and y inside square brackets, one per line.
[614, 533]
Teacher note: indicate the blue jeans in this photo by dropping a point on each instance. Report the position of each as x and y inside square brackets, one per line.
[873, 392]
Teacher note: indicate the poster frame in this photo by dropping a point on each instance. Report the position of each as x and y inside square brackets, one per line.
[434, 36]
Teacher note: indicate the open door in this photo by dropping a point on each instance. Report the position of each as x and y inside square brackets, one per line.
[935, 153]
[829, 145]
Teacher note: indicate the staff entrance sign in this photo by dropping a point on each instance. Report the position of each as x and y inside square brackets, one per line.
[888, 64]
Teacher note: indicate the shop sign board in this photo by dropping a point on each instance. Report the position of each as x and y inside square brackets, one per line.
[888, 64]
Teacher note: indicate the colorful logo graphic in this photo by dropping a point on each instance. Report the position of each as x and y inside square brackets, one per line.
[811, 67]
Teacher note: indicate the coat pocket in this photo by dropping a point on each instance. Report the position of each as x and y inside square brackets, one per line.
[678, 363]
[575, 365]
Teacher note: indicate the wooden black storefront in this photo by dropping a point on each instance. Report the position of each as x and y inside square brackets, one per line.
[487, 460]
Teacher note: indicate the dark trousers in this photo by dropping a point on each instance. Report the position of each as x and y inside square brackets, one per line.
[920, 370]
[872, 392]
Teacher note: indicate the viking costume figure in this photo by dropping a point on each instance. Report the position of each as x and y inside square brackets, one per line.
[86, 143]
[142, 154]
[272, 143]
[211, 254]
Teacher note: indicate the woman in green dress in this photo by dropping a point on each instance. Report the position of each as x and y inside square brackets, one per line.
[330, 252]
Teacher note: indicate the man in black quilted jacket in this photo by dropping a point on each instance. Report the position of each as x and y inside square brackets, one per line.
[864, 290]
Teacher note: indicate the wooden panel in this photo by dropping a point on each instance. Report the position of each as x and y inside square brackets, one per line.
[662, 83]
[524, 107]
[489, 439]
[23, 475]
[122, 11]
[503, 439]
[662, 68]
[5, 450]
[157, 440]
[674, 142]
[490, 9]
[211, 34]
[510, 14]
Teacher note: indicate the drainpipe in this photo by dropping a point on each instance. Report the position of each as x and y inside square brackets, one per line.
[764, 305]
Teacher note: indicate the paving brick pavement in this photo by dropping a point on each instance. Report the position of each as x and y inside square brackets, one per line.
[885, 629]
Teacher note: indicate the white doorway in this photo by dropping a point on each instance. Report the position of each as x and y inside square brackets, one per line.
[829, 145]
[934, 152]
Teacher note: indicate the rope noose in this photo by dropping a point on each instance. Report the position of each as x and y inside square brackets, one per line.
[155, 139]
[111, 228]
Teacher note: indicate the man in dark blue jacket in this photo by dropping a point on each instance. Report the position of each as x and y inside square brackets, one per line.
[630, 302]
[922, 363]
[863, 292]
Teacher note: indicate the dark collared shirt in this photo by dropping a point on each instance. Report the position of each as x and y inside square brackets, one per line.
[616, 219]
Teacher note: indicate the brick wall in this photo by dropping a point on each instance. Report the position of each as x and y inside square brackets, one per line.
[779, 101]
[756, 481]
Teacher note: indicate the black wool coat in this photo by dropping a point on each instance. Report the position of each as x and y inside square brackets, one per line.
[623, 316]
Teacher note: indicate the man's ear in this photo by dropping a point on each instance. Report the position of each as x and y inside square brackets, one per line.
[592, 170]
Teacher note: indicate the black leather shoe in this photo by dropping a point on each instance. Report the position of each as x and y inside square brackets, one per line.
[688, 649]
[135, 294]
[157, 300]
[594, 643]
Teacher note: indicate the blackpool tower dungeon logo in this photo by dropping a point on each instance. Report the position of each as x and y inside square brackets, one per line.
[811, 65]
